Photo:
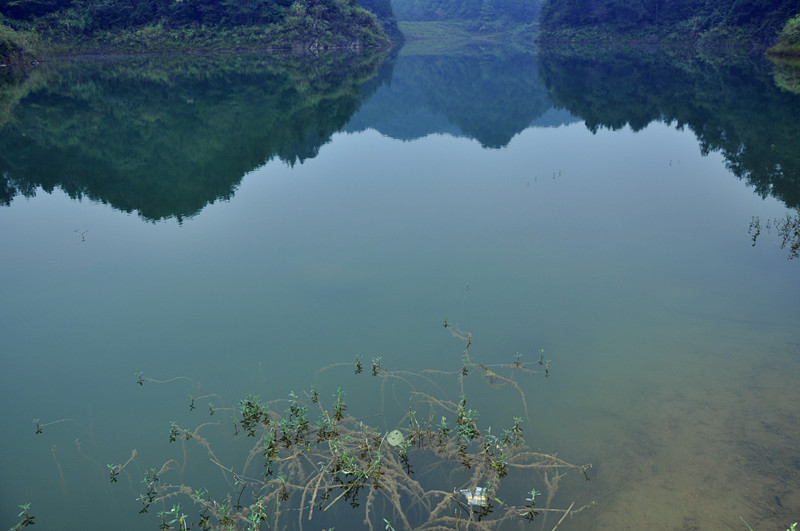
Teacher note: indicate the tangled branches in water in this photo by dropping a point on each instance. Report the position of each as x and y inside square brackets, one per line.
[438, 470]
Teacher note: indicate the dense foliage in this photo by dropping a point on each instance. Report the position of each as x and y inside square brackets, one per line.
[109, 14]
[788, 39]
[385, 13]
[760, 17]
[329, 22]
[487, 15]
[15, 45]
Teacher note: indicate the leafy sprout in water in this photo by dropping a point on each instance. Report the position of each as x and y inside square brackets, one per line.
[310, 460]
[27, 517]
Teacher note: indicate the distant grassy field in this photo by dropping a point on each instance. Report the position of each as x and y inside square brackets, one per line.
[435, 38]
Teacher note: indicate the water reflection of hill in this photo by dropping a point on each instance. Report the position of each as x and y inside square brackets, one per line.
[490, 96]
[732, 105]
[166, 136]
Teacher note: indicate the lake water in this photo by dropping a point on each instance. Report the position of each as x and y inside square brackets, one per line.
[236, 224]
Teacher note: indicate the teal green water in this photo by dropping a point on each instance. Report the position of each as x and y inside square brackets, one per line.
[243, 224]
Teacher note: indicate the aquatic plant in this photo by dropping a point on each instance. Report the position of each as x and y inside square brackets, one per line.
[26, 516]
[313, 462]
[792, 527]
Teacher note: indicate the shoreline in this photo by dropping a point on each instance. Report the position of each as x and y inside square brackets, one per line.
[28, 60]
[23, 47]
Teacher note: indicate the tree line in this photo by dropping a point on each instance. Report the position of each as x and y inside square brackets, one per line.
[298, 20]
[763, 18]
[111, 14]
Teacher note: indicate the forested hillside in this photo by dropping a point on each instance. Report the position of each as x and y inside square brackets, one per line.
[479, 14]
[385, 13]
[760, 18]
[327, 23]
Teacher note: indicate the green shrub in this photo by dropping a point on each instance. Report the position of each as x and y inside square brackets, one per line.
[15, 45]
[788, 38]
[791, 31]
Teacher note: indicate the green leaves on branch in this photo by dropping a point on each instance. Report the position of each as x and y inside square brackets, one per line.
[27, 518]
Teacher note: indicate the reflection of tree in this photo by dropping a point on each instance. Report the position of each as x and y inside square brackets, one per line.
[733, 107]
[166, 136]
[487, 95]
[787, 73]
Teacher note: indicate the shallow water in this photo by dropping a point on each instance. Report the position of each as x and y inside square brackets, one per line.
[614, 244]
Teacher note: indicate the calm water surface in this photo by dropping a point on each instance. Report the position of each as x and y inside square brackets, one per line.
[246, 225]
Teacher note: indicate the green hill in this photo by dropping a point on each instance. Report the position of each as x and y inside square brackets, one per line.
[76, 26]
[710, 20]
